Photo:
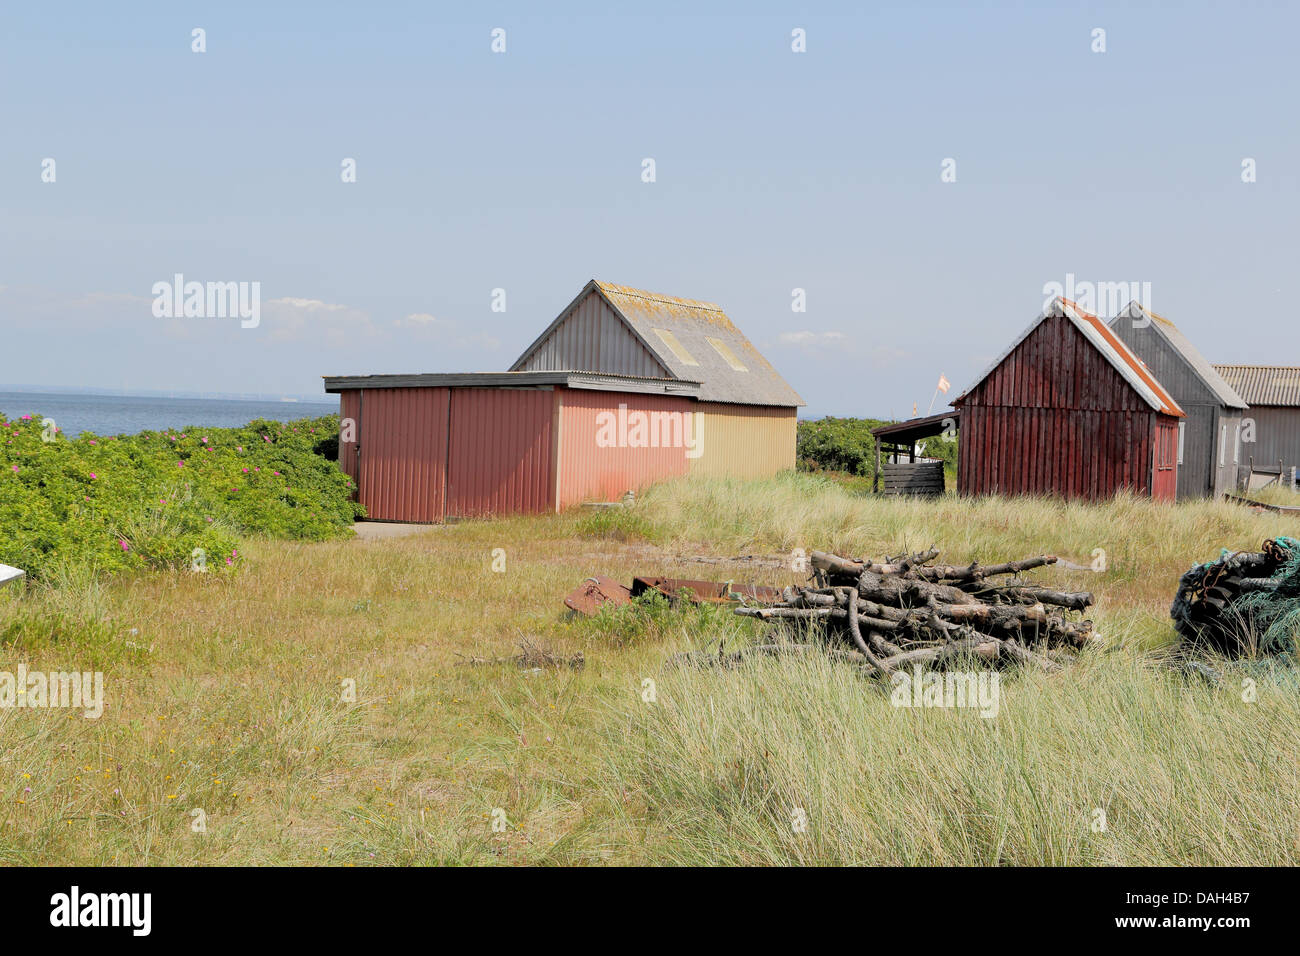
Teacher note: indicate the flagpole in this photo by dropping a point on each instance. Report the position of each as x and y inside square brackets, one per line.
[932, 400]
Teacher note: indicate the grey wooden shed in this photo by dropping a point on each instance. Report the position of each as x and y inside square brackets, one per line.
[1209, 438]
[1273, 392]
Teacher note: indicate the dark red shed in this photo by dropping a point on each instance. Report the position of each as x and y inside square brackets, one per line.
[1067, 410]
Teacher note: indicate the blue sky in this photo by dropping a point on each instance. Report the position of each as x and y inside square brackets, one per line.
[775, 170]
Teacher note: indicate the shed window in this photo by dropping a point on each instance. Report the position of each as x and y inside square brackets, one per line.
[1165, 450]
[1223, 443]
[670, 340]
[1182, 435]
[728, 356]
[1236, 446]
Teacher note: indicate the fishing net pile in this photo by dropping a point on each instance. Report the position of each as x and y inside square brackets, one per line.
[1243, 601]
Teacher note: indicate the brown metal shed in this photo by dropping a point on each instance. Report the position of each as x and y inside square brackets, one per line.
[623, 388]
[423, 448]
[1067, 410]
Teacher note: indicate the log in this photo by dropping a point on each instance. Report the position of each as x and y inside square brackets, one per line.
[905, 610]
[857, 634]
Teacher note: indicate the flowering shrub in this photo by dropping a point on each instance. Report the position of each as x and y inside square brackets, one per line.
[131, 502]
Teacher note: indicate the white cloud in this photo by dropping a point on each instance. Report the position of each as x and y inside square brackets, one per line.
[423, 320]
[806, 338]
[309, 305]
[292, 319]
[447, 332]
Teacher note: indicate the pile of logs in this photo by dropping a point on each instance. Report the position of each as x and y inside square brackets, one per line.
[1243, 601]
[908, 610]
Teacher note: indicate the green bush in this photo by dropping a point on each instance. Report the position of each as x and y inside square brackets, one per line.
[838, 444]
[131, 502]
[847, 445]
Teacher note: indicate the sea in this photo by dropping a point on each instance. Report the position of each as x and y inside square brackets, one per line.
[129, 414]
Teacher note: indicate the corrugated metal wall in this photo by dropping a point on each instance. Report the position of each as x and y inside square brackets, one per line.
[743, 441]
[590, 472]
[1055, 418]
[593, 339]
[500, 458]
[403, 438]
[1277, 435]
[422, 454]
[349, 424]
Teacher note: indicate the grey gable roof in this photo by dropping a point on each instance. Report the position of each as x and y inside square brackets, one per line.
[615, 327]
[1189, 353]
[1265, 384]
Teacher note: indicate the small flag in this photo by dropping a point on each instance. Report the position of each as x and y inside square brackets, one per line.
[914, 409]
[944, 384]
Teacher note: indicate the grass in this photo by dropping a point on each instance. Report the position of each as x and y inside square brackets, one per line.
[230, 695]
[1275, 495]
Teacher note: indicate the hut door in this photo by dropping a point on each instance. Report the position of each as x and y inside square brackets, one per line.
[402, 460]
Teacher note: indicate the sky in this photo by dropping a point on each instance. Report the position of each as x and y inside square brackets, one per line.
[923, 172]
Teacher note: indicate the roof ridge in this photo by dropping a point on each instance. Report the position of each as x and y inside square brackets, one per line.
[1134, 361]
[634, 293]
[1276, 368]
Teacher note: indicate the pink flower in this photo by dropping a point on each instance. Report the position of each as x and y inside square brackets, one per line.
[15, 467]
[245, 471]
[227, 560]
[122, 542]
[239, 448]
[204, 439]
[180, 464]
[93, 476]
[209, 521]
[93, 442]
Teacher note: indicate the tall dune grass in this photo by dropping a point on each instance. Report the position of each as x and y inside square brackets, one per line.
[1111, 762]
[224, 693]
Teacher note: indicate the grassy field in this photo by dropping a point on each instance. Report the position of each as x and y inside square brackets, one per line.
[228, 695]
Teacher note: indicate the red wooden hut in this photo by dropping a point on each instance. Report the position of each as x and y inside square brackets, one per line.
[1067, 410]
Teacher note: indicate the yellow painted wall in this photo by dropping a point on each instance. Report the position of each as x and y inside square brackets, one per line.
[744, 441]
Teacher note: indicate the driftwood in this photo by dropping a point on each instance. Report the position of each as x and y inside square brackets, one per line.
[906, 610]
[531, 656]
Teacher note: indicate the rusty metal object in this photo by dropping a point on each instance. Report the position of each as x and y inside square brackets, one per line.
[594, 593]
